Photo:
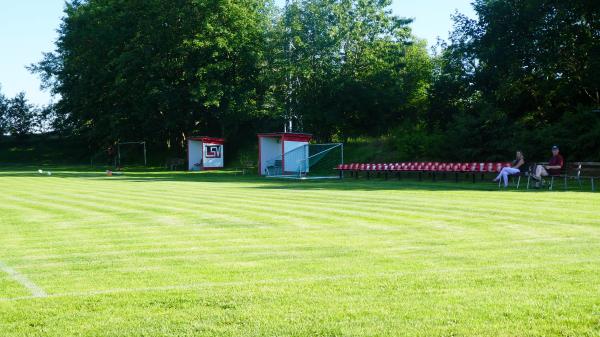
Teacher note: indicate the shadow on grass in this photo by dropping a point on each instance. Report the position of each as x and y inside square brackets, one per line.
[151, 175]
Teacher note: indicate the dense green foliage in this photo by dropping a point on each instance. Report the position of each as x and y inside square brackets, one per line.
[177, 254]
[523, 74]
[151, 69]
[157, 69]
[20, 118]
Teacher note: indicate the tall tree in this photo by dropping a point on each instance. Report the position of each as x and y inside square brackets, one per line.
[158, 70]
[346, 71]
[20, 116]
[519, 75]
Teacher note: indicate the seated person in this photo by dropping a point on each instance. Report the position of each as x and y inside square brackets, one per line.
[514, 169]
[553, 168]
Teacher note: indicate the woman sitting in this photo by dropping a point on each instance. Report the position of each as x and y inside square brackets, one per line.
[514, 169]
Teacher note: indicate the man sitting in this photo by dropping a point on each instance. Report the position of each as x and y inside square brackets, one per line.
[553, 168]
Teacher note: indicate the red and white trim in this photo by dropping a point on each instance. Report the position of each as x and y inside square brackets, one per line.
[282, 137]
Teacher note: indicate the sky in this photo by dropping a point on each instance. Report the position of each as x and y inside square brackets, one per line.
[28, 29]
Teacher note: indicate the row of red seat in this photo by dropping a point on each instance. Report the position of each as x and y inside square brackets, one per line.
[426, 167]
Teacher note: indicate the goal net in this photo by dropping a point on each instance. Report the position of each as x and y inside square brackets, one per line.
[311, 161]
[131, 154]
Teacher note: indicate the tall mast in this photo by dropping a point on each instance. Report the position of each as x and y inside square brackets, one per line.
[288, 47]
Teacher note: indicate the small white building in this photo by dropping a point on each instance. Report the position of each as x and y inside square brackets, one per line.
[205, 153]
[276, 152]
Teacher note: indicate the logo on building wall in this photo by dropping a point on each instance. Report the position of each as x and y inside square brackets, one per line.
[213, 151]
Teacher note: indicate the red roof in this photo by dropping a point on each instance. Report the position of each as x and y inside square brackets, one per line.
[289, 136]
[210, 140]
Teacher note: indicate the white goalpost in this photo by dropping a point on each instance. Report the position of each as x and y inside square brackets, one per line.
[309, 161]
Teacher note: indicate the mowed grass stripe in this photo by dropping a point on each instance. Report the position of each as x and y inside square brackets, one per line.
[509, 210]
[468, 196]
[367, 210]
[493, 259]
[513, 196]
[454, 272]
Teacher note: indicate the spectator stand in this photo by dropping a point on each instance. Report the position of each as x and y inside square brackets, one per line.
[578, 171]
[431, 169]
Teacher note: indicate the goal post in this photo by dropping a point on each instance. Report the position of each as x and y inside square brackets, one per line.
[127, 150]
[309, 161]
[322, 160]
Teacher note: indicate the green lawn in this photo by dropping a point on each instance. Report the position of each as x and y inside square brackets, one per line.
[176, 254]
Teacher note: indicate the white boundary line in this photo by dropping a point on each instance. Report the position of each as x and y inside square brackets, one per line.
[36, 291]
[276, 281]
[200, 285]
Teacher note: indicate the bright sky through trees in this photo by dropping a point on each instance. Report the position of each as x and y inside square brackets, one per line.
[28, 28]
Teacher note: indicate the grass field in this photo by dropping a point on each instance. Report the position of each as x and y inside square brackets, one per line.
[176, 254]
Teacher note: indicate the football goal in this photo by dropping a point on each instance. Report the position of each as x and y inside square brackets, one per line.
[309, 161]
[131, 154]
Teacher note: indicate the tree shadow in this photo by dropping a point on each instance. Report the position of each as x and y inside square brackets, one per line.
[151, 175]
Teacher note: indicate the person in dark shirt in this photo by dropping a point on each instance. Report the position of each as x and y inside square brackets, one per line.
[553, 168]
[515, 168]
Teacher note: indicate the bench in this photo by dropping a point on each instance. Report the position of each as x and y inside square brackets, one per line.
[573, 171]
[275, 168]
[589, 170]
[174, 163]
[579, 171]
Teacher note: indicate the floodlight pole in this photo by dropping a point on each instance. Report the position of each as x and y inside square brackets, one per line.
[145, 161]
